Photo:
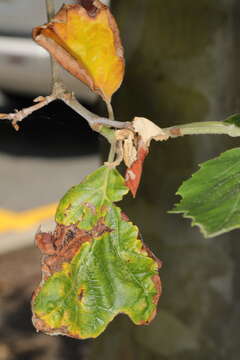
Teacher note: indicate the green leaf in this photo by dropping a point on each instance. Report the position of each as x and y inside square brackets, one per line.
[233, 120]
[100, 267]
[85, 202]
[211, 198]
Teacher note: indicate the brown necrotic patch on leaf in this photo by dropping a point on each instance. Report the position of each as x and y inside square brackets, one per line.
[89, 6]
[45, 243]
[41, 325]
[158, 285]
[155, 278]
[100, 228]
[60, 247]
[80, 294]
[85, 40]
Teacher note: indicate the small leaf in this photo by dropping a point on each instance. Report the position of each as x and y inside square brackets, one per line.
[233, 119]
[95, 266]
[84, 39]
[211, 198]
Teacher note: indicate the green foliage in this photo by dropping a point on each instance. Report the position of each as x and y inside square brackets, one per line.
[211, 198]
[233, 120]
[111, 271]
[98, 190]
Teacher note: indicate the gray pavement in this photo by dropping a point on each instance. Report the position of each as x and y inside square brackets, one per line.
[52, 152]
[29, 184]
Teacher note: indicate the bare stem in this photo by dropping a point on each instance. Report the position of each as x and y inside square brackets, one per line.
[92, 118]
[97, 123]
[112, 152]
[110, 111]
[18, 116]
[55, 67]
[207, 127]
[50, 9]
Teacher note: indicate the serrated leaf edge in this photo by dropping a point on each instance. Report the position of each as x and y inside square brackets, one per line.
[185, 214]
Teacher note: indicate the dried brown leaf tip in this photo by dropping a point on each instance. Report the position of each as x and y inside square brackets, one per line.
[85, 40]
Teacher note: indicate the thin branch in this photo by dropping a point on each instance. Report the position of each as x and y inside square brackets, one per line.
[207, 127]
[113, 147]
[112, 152]
[19, 115]
[92, 118]
[55, 67]
[50, 9]
[110, 111]
[59, 93]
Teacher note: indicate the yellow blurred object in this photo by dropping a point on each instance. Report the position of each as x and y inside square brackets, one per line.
[20, 221]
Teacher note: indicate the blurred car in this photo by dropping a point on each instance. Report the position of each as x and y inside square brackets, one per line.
[25, 66]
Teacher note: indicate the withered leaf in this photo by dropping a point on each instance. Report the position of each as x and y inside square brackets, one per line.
[84, 39]
[95, 265]
[145, 131]
[148, 130]
[134, 172]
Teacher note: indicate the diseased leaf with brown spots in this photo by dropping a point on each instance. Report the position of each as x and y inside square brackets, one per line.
[84, 39]
[95, 265]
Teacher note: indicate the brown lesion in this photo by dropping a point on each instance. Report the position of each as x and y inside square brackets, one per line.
[155, 278]
[59, 247]
[100, 228]
[62, 245]
[89, 5]
[80, 294]
[175, 132]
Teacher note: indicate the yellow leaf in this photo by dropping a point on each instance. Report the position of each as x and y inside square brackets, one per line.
[85, 41]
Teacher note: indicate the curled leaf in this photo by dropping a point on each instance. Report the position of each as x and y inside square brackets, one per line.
[134, 172]
[95, 265]
[126, 138]
[148, 130]
[136, 148]
[84, 39]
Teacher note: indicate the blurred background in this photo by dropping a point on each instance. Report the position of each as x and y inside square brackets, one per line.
[182, 66]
